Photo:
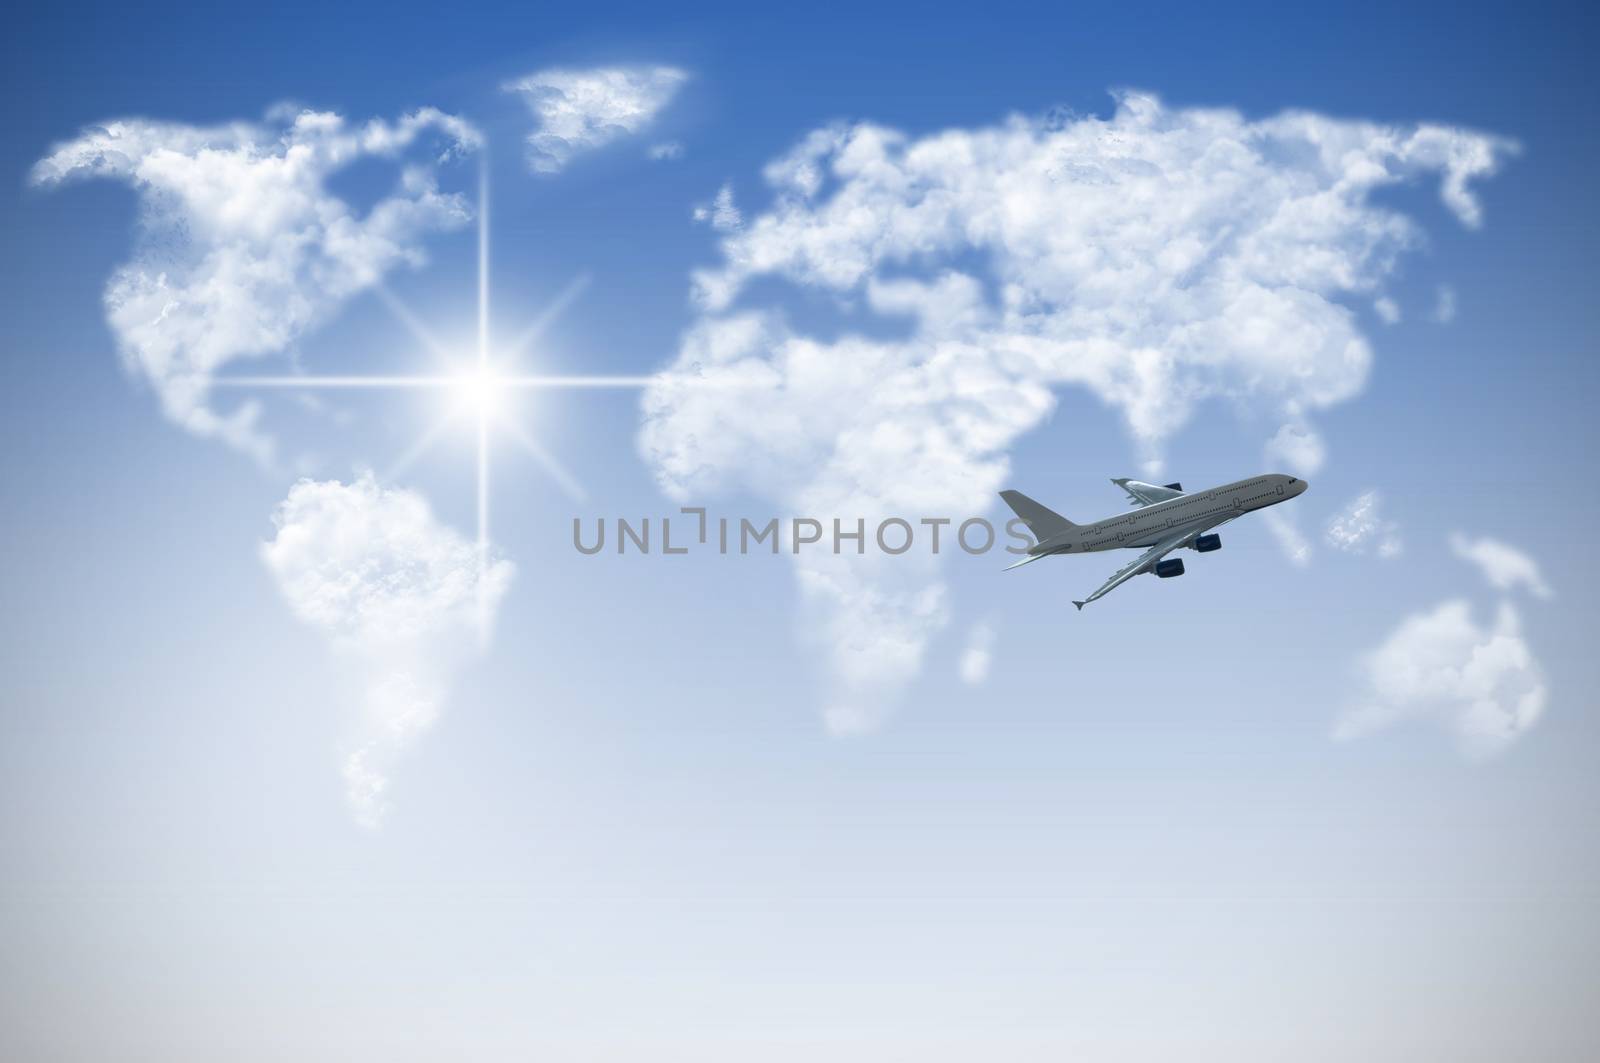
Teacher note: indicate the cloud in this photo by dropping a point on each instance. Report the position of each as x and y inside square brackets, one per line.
[1156, 259]
[1444, 309]
[1298, 445]
[1482, 684]
[581, 110]
[978, 654]
[1388, 310]
[670, 151]
[871, 620]
[241, 248]
[401, 597]
[1505, 567]
[723, 215]
[1360, 527]
[1295, 546]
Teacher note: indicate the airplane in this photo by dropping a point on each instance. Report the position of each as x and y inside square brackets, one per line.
[1166, 519]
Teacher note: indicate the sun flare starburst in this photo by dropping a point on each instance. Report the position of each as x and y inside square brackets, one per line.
[479, 388]
[481, 392]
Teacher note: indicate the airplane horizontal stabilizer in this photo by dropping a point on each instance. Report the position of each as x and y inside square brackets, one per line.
[1018, 564]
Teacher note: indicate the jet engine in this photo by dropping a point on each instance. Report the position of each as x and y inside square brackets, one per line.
[1206, 543]
[1168, 569]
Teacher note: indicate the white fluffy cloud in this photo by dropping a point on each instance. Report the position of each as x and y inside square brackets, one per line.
[1361, 527]
[1290, 539]
[870, 619]
[580, 110]
[978, 655]
[1298, 446]
[1505, 567]
[1481, 683]
[1444, 307]
[722, 214]
[1156, 258]
[401, 596]
[242, 248]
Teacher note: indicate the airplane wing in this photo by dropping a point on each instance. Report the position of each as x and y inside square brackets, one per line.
[1144, 494]
[1145, 561]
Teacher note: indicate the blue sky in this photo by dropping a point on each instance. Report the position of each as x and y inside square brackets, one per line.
[633, 827]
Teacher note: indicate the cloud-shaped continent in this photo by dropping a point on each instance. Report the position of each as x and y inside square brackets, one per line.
[404, 598]
[241, 247]
[1156, 258]
[577, 111]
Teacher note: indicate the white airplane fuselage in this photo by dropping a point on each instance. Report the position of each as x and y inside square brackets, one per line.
[1151, 524]
[1168, 519]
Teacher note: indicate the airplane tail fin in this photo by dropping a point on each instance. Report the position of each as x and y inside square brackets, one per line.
[1044, 522]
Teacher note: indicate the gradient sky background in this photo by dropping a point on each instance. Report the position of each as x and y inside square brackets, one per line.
[630, 835]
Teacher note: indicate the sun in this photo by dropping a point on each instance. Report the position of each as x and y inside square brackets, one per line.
[480, 390]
